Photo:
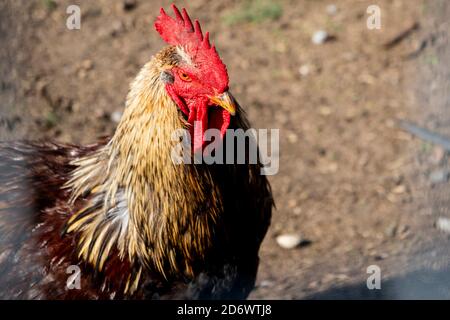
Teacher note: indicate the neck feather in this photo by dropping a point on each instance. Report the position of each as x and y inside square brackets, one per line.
[152, 210]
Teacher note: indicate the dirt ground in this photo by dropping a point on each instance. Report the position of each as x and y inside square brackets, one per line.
[351, 182]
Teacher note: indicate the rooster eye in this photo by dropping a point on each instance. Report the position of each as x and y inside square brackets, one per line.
[184, 76]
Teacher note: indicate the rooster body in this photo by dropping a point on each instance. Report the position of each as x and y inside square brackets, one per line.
[136, 225]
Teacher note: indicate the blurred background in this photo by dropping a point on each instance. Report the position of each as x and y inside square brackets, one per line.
[354, 189]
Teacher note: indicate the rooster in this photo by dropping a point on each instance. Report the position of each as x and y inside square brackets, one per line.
[118, 217]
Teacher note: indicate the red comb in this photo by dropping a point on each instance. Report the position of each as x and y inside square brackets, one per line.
[180, 31]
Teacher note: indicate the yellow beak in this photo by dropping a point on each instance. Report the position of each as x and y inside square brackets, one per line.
[226, 101]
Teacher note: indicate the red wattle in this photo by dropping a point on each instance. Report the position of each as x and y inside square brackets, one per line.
[219, 119]
[204, 118]
[200, 126]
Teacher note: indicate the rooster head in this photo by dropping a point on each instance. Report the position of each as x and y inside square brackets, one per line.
[195, 77]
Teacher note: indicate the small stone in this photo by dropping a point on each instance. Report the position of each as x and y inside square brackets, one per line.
[439, 176]
[265, 284]
[292, 137]
[82, 74]
[116, 116]
[76, 107]
[304, 70]
[87, 64]
[320, 37]
[443, 224]
[399, 189]
[291, 241]
[329, 167]
[292, 203]
[331, 9]
[325, 111]
[314, 285]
